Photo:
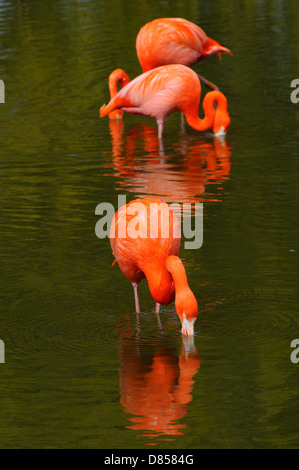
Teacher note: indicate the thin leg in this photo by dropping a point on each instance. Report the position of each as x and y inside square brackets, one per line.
[182, 123]
[161, 124]
[161, 148]
[208, 84]
[161, 331]
[157, 307]
[138, 329]
[137, 307]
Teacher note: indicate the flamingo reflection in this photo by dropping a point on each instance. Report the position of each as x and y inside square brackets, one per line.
[143, 167]
[156, 384]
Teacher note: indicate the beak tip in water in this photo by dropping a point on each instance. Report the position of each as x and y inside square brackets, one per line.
[187, 327]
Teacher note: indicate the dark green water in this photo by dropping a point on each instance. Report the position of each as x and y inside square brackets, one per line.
[78, 372]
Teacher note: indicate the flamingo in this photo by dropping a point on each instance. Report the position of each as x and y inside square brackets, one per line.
[154, 256]
[175, 41]
[169, 88]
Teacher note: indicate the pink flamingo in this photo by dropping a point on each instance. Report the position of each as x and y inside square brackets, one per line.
[169, 88]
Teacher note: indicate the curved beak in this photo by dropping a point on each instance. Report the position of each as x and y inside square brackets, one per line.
[187, 326]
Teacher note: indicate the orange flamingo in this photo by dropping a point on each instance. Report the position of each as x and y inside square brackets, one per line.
[151, 252]
[175, 41]
[167, 89]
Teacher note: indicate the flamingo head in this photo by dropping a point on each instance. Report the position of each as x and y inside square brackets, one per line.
[221, 119]
[214, 47]
[221, 123]
[187, 310]
[185, 302]
[116, 114]
[102, 110]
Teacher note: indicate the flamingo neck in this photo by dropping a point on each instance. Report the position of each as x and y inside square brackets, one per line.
[118, 76]
[222, 118]
[160, 282]
[175, 267]
[185, 301]
[195, 121]
[214, 105]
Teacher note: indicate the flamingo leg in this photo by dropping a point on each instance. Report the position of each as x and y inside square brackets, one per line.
[159, 323]
[183, 123]
[160, 326]
[137, 307]
[138, 329]
[161, 149]
[208, 84]
[161, 124]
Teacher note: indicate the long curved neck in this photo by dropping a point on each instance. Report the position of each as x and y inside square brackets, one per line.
[160, 282]
[185, 301]
[118, 76]
[176, 268]
[212, 98]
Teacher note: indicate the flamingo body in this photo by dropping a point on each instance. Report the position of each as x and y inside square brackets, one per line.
[174, 41]
[153, 255]
[166, 89]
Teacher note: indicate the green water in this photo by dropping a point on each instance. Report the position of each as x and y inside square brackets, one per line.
[80, 369]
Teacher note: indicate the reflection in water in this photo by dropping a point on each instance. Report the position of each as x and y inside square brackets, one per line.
[182, 178]
[156, 384]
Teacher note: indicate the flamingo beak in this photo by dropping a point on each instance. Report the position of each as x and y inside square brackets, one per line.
[220, 132]
[101, 109]
[187, 326]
